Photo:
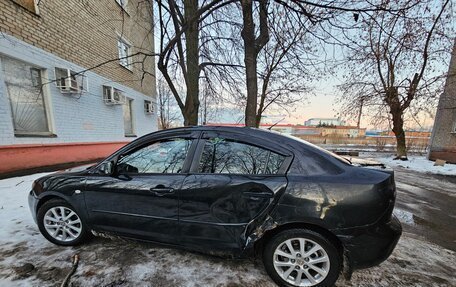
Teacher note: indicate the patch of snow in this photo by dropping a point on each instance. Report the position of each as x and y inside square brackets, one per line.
[404, 216]
[14, 209]
[418, 163]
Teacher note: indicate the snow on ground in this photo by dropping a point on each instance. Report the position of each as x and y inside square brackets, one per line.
[418, 163]
[28, 259]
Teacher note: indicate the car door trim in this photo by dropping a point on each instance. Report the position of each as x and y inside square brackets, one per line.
[135, 215]
[213, 223]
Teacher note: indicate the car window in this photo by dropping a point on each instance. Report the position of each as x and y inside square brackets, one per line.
[160, 157]
[336, 156]
[226, 156]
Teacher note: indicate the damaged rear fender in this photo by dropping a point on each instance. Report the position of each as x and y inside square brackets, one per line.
[256, 241]
[269, 228]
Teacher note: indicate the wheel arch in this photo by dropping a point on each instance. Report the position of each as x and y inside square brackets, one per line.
[47, 198]
[259, 245]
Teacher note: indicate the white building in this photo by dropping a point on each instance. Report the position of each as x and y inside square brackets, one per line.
[56, 109]
[324, 121]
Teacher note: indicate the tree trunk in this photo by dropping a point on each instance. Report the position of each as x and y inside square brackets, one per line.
[262, 99]
[397, 112]
[192, 58]
[250, 60]
[258, 118]
[191, 117]
[398, 130]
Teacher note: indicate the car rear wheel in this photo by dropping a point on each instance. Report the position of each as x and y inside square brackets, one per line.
[301, 257]
[61, 224]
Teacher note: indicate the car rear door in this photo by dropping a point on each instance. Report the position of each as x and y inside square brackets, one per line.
[232, 182]
[141, 198]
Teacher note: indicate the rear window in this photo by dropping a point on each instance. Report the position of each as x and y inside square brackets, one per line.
[338, 157]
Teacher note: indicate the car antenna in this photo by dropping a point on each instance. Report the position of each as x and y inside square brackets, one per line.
[275, 124]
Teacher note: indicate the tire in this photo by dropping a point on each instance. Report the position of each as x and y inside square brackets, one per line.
[68, 232]
[289, 266]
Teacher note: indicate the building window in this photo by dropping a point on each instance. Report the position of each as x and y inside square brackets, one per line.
[128, 118]
[122, 3]
[25, 93]
[30, 5]
[124, 53]
[148, 107]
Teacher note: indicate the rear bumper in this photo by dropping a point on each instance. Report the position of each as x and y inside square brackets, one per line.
[371, 246]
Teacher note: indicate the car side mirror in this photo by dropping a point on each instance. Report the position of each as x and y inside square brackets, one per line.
[106, 168]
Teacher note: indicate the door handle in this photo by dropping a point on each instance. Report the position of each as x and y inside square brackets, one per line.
[162, 190]
[258, 194]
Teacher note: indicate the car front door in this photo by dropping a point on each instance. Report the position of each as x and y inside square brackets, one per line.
[140, 199]
[231, 183]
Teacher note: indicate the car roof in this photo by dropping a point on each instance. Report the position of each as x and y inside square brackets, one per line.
[248, 131]
[243, 130]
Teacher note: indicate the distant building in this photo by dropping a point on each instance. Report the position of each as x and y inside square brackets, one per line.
[283, 128]
[443, 140]
[298, 130]
[306, 131]
[408, 134]
[54, 108]
[324, 121]
[342, 131]
[371, 133]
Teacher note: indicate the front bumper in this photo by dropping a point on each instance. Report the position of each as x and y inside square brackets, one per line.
[367, 247]
[33, 203]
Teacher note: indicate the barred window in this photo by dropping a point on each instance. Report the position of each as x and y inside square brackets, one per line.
[25, 93]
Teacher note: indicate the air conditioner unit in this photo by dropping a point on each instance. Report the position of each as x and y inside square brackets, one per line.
[66, 81]
[69, 85]
[113, 96]
[148, 107]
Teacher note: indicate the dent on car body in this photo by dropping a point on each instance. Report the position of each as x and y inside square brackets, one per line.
[259, 231]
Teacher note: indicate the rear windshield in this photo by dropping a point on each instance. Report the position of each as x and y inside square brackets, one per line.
[338, 157]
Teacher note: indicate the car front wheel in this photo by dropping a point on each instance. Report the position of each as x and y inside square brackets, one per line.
[61, 224]
[301, 257]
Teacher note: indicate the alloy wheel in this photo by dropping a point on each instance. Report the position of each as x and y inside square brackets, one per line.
[62, 223]
[301, 262]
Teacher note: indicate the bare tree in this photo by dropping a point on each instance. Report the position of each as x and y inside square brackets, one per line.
[179, 59]
[256, 13]
[184, 58]
[286, 63]
[395, 62]
[253, 44]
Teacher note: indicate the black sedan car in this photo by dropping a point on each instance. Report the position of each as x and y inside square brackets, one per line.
[230, 191]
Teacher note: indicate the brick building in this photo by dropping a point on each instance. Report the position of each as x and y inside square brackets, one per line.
[443, 139]
[76, 79]
[343, 131]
